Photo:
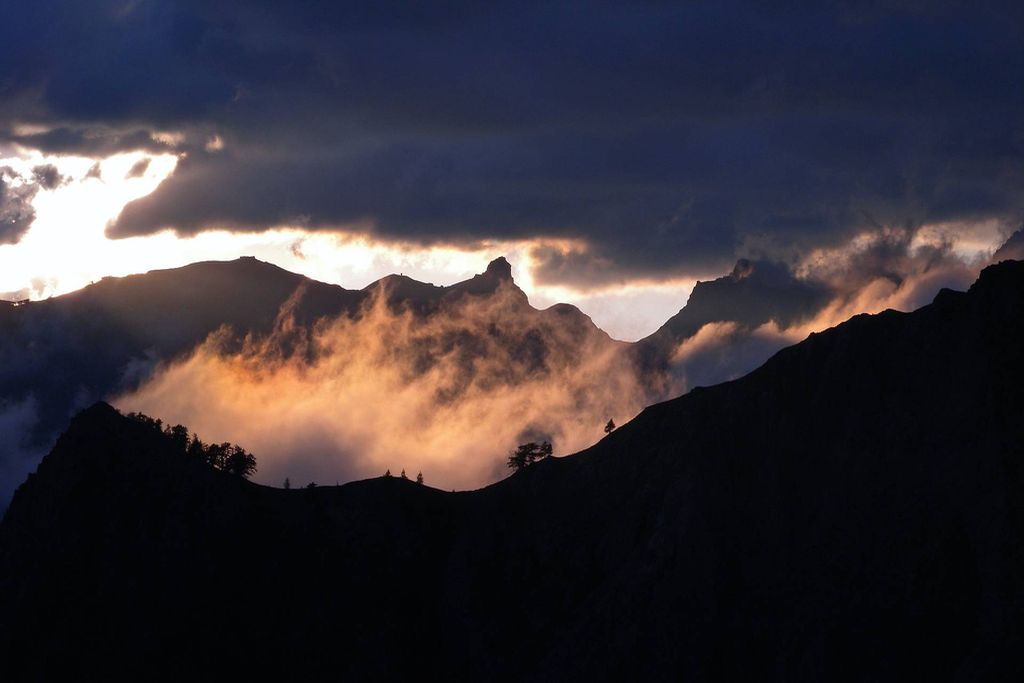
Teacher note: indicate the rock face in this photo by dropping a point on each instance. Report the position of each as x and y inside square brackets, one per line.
[851, 510]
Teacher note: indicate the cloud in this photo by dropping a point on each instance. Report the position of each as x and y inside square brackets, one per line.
[452, 392]
[887, 268]
[664, 135]
[48, 177]
[723, 351]
[1013, 248]
[139, 168]
[16, 211]
[91, 141]
[449, 394]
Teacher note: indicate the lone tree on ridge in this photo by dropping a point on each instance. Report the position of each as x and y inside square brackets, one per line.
[527, 454]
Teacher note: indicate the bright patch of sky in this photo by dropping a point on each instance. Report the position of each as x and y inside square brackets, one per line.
[66, 249]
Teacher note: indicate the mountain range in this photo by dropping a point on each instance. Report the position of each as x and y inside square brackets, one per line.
[110, 338]
[853, 509]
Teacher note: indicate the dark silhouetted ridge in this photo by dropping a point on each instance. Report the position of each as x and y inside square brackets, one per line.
[851, 510]
[423, 297]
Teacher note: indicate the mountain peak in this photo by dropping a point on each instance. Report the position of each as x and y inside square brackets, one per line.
[499, 268]
[1011, 249]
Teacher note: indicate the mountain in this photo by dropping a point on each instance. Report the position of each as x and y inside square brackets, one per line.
[754, 293]
[82, 346]
[403, 290]
[107, 337]
[64, 353]
[851, 510]
[1012, 248]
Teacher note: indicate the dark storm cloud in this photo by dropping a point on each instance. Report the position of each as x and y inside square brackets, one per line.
[16, 212]
[89, 141]
[48, 177]
[666, 135]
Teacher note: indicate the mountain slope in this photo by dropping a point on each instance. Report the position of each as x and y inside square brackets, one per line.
[851, 510]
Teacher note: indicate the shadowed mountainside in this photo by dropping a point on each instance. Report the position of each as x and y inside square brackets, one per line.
[851, 510]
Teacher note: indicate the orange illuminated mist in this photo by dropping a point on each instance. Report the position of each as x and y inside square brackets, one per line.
[418, 380]
[448, 380]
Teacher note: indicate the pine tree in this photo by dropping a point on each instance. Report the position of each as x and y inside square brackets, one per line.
[238, 461]
[419, 478]
[527, 454]
[610, 427]
[287, 483]
[403, 475]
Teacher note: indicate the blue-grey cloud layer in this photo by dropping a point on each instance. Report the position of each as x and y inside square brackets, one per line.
[664, 133]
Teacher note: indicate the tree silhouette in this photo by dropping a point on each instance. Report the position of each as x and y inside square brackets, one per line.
[527, 454]
[388, 473]
[195, 449]
[238, 462]
[610, 427]
[419, 478]
[287, 483]
[179, 435]
[219, 456]
[403, 475]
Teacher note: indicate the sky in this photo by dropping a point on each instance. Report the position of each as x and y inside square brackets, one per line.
[614, 152]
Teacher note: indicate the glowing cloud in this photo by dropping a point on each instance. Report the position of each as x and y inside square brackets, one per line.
[448, 395]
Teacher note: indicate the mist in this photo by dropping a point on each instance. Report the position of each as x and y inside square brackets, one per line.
[451, 391]
[448, 394]
[887, 268]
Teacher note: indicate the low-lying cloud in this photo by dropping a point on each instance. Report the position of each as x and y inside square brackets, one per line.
[449, 394]
[888, 268]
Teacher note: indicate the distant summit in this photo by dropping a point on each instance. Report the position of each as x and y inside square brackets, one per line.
[499, 268]
[754, 293]
[1012, 248]
[498, 273]
[402, 290]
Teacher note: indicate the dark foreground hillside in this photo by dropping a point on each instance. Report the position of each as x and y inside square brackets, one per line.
[852, 510]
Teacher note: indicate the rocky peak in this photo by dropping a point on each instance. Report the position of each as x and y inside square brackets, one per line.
[499, 268]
